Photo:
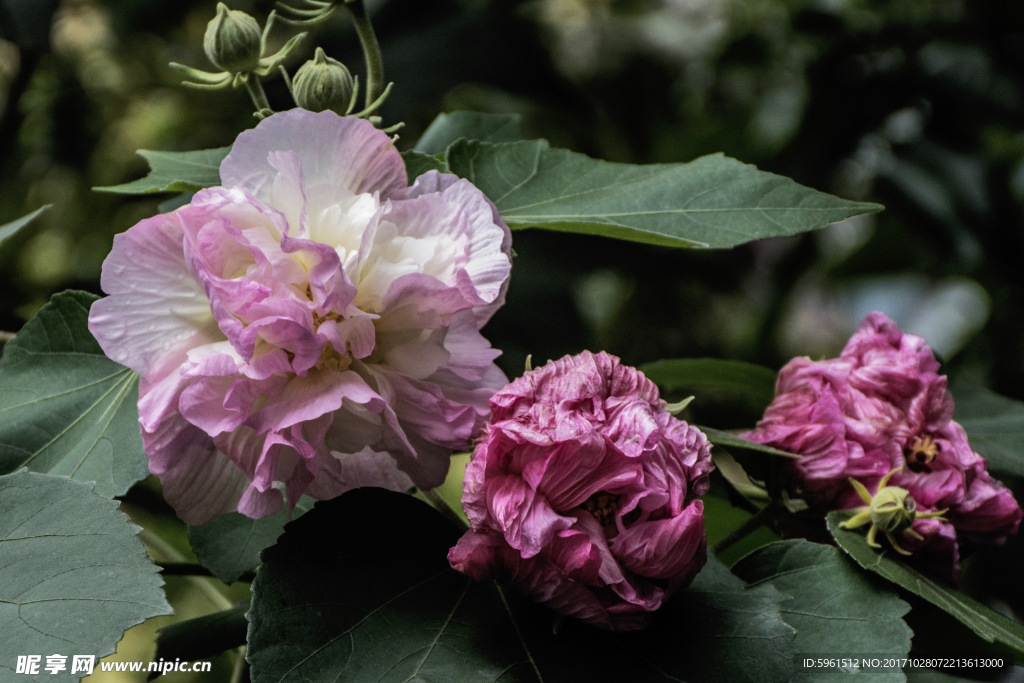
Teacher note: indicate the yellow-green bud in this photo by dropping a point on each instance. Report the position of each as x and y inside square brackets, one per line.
[233, 42]
[893, 509]
[323, 83]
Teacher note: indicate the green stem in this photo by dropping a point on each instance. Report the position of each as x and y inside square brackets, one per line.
[371, 50]
[240, 673]
[442, 506]
[255, 88]
[161, 547]
[192, 569]
[745, 529]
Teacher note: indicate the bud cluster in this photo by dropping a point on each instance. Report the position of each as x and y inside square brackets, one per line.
[235, 44]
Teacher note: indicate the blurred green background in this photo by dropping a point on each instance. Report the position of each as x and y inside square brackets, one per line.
[917, 104]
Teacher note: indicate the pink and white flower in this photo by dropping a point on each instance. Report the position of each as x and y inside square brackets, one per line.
[312, 326]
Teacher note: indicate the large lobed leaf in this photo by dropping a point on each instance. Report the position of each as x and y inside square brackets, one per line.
[835, 608]
[418, 163]
[360, 589]
[711, 202]
[985, 622]
[752, 383]
[66, 408]
[73, 576]
[471, 125]
[230, 545]
[175, 172]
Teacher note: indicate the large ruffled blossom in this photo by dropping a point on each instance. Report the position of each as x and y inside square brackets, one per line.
[583, 493]
[882, 406]
[311, 326]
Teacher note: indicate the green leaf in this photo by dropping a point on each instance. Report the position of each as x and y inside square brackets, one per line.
[994, 425]
[733, 632]
[417, 163]
[175, 172]
[66, 408]
[10, 229]
[747, 381]
[720, 438]
[360, 589]
[230, 545]
[175, 202]
[988, 624]
[203, 637]
[73, 576]
[712, 202]
[472, 125]
[835, 608]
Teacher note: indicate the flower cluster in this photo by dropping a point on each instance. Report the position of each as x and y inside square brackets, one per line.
[582, 493]
[312, 325]
[882, 407]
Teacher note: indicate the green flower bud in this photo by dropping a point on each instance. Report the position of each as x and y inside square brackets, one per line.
[893, 509]
[323, 83]
[233, 42]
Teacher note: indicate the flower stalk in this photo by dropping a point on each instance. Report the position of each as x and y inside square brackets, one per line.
[745, 529]
[234, 43]
[259, 97]
[442, 506]
[371, 51]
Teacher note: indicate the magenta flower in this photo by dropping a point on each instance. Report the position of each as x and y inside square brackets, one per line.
[312, 326]
[882, 406]
[582, 493]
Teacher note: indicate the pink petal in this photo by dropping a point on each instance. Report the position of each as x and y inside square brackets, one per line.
[346, 152]
[198, 481]
[156, 310]
[523, 516]
[666, 548]
[345, 471]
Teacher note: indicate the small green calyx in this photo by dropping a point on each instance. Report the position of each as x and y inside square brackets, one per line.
[323, 83]
[233, 41]
[891, 510]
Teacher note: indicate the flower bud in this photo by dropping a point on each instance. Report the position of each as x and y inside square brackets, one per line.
[893, 509]
[233, 42]
[323, 83]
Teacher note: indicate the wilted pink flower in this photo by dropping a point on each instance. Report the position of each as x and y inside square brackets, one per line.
[582, 493]
[880, 406]
[312, 325]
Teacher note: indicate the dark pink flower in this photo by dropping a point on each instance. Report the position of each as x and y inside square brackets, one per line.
[881, 406]
[582, 493]
[312, 326]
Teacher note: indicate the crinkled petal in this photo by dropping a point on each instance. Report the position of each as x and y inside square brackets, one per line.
[522, 515]
[665, 548]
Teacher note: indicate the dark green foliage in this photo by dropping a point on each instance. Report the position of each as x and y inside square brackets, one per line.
[67, 408]
[73, 576]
